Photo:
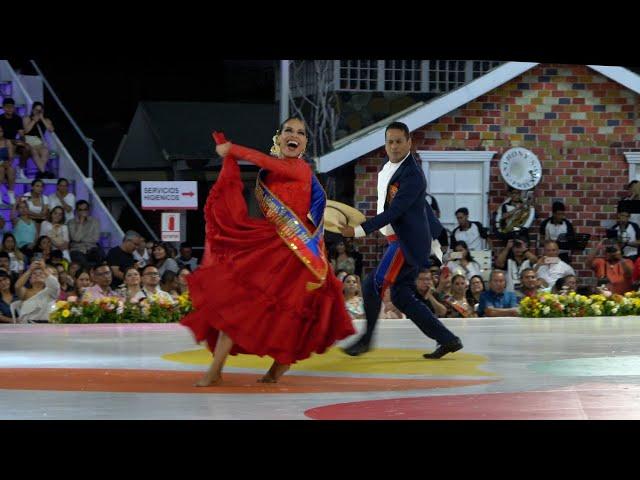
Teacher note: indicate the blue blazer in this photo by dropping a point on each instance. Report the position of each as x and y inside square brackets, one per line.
[409, 214]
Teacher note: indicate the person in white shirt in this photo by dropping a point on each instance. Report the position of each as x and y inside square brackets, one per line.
[469, 232]
[141, 254]
[462, 263]
[151, 282]
[63, 198]
[514, 260]
[56, 229]
[556, 224]
[37, 301]
[549, 267]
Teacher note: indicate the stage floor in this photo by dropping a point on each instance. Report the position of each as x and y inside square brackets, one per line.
[510, 368]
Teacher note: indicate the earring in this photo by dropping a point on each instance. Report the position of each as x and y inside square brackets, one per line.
[275, 149]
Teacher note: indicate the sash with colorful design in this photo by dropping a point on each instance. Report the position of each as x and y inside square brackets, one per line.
[307, 246]
[389, 267]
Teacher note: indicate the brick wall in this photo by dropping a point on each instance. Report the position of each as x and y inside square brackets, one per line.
[575, 120]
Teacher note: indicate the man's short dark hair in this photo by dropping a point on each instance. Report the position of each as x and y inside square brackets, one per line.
[496, 271]
[463, 210]
[100, 264]
[185, 245]
[8, 101]
[82, 202]
[557, 207]
[146, 267]
[398, 126]
[61, 179]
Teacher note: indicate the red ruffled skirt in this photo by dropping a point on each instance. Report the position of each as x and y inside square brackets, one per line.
[252, 287]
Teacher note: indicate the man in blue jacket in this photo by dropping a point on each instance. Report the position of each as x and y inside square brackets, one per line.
[409, 224]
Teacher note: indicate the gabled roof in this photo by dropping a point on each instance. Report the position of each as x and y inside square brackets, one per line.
[417, 116]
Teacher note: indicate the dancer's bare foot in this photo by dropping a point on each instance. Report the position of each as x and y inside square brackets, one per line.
[208, 381]
[275, 372]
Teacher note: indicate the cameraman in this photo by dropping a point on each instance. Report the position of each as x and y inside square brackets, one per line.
[515, 259]
[549, 268]
[617, 270]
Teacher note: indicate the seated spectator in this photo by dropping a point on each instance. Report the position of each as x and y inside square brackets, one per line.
[16, 257]
[35, 126]
[162, 260]
[497, 302]
[38, 300]
[84, 233]
[24, 228]
[6, 170]
[434, 267]
[37, 203]
[131, 289]
[610, 264]
[183, 286]
[556, 225]
[5, 262]
[515, 259]
[467, 231]
[388, 309]
[186, 257]
[82, 281]
[43, 248]
[151, 282]
[549, 268]
[141, 254]
[340, 259]
[169, 283]
[530, 284]
[353, 252]
[353, 296]
[426, 293]
[73, 268]
[66, 282]
[64, 199]
[511, 207]
[13, 129]
[102, 277]
[461, 262]
[476, 287]
[627, 233]
[56, 229]
[633, 193]
[7, 297]
[566, 285]
[459, 305]
[121, 257]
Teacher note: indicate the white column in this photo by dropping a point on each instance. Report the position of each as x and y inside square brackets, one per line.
[284, 90]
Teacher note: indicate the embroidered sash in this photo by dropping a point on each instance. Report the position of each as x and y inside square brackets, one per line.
[307, 246]
[389, 267]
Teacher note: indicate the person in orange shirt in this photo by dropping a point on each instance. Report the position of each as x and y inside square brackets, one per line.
[619, 271]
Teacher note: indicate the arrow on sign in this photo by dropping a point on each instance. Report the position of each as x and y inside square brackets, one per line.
[188, 194]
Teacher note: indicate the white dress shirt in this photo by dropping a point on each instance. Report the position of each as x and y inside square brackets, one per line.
[388, 170]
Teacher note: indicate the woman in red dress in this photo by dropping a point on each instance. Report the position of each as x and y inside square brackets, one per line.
[265, 286]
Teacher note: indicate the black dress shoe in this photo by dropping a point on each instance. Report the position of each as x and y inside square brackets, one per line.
[442, 350]
[356, 349]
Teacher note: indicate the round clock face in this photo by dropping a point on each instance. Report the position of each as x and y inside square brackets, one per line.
[520, 168]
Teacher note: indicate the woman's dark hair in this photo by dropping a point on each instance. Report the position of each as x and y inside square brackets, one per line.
[294, 117]
[9, 235]
[38, 246]
[153, 261]
[168, 277]
[463, 244]
[4, 274]
[469, 295]
[80, 271]
[61, 179]
[36, 181]
[130, 267]
[36, 104]
[64, 216]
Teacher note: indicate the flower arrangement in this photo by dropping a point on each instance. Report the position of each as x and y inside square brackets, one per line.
[548, 305]
[154, 309]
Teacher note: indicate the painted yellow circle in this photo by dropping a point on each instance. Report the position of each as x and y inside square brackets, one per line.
[377, 361]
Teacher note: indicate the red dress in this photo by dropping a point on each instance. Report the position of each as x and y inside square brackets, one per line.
[250, 284]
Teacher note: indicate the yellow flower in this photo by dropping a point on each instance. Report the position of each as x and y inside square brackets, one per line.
[66, 313]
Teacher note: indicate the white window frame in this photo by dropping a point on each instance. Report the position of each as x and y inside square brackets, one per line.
[462, 156]
[633, 159]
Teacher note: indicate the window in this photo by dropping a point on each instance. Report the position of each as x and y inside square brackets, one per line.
[402, 75]
[446, 75]
[482, 67]
[359, 75]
